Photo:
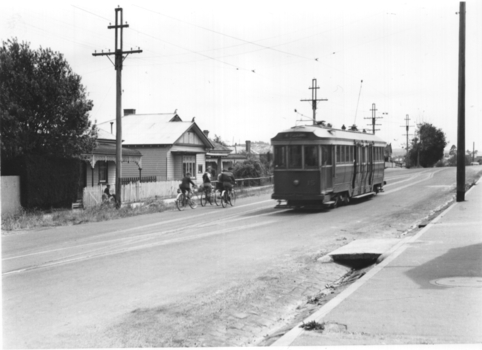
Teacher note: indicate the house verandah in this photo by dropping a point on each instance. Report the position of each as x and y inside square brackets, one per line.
[99, 168]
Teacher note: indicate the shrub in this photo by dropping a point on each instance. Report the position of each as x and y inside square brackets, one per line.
[45, 181]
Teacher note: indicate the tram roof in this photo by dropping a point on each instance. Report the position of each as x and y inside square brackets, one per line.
[311, 132]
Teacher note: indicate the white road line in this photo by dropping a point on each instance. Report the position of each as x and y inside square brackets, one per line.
[411, 184]
[120, 240]
[223, 230]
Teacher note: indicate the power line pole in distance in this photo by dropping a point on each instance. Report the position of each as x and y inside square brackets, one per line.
[374, 118]
[407, 126]
[314, 99]
[461, 110]
[119, 59]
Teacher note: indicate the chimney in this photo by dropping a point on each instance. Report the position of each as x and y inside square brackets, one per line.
[206, 132]
[111, 124]
[129, 111]
[248, 147]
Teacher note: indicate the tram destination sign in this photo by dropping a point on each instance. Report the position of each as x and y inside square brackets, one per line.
[297, 135]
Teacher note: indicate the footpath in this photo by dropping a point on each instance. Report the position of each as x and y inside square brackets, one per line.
[427, 290]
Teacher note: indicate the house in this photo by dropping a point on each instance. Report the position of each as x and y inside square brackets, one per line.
[100, 168]
[170, 147]
[216, 158]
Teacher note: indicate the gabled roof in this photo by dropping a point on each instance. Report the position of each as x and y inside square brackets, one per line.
[155, 129]
[104, 135]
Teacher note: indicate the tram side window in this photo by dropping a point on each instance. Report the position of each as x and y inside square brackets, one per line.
[326, 155]
[294, 157]
[338, 153]
[280, 156]
[311, 156]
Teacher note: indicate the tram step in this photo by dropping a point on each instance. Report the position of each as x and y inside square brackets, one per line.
[364, 195]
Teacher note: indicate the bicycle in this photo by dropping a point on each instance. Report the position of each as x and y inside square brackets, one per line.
[183, 200]
[228, 197]
[207, 196]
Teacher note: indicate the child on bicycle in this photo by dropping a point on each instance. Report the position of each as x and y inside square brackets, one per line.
[186, 183]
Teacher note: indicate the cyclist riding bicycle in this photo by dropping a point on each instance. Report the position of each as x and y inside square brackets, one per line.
[186, 184]
[207, 180]
[227, 179]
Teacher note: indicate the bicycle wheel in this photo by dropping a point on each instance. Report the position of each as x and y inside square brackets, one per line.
[223, 198]
[204, 198]
[217, 198]
[193, 201]
[180, 202]
[232, 199]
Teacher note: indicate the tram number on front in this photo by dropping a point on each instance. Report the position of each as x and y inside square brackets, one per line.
[311, 183]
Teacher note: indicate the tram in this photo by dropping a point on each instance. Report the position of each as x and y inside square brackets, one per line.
[318, 166]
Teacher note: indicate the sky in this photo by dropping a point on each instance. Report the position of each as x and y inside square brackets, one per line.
[241, 68]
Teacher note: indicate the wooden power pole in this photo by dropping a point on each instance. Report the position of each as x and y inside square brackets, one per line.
[119, 59]
[374, 118]
[314, 99]
[461, 109]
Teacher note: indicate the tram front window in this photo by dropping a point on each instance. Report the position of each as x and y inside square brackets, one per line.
[294, 157]
[280, 157]
[326, 155]
[311, 156]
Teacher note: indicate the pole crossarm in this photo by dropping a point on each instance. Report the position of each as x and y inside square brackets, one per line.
[313, 99]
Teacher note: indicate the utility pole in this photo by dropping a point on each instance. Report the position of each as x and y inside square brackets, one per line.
[119, 59]
[461, 109]
[374, 118]
[407, 126]
[473, 151]
[314, 99]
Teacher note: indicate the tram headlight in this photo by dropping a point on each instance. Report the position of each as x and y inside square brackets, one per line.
[296, 182]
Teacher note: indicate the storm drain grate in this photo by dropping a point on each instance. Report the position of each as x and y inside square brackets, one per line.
[458, 282]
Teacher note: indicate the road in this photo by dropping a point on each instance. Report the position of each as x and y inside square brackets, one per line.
[203, 277]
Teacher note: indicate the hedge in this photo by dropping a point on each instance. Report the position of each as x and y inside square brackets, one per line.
[46, 182]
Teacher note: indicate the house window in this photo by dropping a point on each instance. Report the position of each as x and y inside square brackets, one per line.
[103, 172]
[199, 168]
[189, 165]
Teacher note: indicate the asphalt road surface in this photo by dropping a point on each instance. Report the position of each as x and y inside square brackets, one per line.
[211, 276]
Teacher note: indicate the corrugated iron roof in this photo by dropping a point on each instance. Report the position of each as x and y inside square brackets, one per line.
[104, 148]
[154, 129]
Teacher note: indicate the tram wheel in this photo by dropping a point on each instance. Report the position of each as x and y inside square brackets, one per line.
[336, 199]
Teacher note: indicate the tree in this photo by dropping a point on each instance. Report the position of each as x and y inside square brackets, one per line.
[428, 147]
[43, 105]
[218, 139]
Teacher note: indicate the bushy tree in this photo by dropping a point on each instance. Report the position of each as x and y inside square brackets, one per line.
[428, 146]
[250, 168]
[43, 105]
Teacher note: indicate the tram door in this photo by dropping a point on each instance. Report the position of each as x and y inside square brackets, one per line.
[326, 168]
[357, 173]
[363, 169]
[370, 169]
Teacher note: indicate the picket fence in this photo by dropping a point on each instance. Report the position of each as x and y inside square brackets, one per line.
[132, 192]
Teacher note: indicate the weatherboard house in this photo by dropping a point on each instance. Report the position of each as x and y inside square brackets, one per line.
[99, 165]
[169, 146]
